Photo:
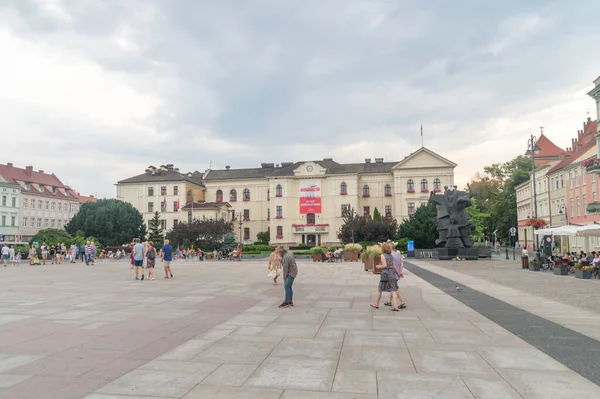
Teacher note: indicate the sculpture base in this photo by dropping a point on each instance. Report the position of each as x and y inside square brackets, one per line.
[453, 253]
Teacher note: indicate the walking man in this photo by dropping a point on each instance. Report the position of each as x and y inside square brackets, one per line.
[11, 254]
[166, 254]
[5, 252]
[74, 252]
[290, 271]
[87, 253]
[138, 258]
[399, 274]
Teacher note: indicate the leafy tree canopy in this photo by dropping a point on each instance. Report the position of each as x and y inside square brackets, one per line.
[421, 227]
[264, 236]
[478, 218]
[52, 237]
[204, 233]
[112, 221]
[362, 228]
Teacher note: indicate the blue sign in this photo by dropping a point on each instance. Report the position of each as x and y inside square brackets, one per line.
[410, 246]
[1, 237]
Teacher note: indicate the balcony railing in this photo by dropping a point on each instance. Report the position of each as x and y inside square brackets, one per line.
[310, 228]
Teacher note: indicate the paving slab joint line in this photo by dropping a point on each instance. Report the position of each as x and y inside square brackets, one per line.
[337, 366]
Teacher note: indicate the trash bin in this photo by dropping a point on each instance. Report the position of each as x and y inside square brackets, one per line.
[525, 262]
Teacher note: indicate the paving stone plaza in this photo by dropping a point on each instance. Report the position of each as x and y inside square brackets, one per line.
[215, 331]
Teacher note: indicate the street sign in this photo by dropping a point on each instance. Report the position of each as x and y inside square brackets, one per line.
[513, 231]
[410, 246]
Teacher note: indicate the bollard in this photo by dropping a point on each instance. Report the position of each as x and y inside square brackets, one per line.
[507, 254]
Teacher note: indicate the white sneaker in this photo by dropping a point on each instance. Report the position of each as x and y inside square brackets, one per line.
[152, 278]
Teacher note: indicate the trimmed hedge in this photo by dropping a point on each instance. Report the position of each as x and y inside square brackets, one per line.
[257, 248]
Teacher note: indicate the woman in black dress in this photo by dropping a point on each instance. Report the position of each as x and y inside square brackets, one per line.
[387, 279]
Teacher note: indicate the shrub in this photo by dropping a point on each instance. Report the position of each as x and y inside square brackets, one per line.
[353, 247]
[316, 250]
[257, 248]
[479, 245]
[402, 244]
[302, 253]
[371, 252]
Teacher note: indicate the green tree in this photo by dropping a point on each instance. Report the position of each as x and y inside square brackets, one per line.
[111, 221]
[421, 227]
[155, 232]
[264, 236]
[207, 234]
[364, 229]
[52, 237]
[376, 215]
[479, 219]
[229, 242]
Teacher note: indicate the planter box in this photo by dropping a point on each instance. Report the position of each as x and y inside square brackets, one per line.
[317, 257]
[368, 264]
[350, 256]
[583, 274]
[561, 271]
[485, 252]
[376, 261]
[534, 268]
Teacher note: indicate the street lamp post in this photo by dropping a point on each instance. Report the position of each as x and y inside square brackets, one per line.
[532, 147]
[240, 222]
[564, 207]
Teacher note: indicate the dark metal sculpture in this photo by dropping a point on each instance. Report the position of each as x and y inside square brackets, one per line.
[453, 224]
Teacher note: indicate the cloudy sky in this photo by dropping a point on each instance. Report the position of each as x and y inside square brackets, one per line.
[96, 91]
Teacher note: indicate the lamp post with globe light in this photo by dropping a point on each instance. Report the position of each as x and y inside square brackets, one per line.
[532, 149]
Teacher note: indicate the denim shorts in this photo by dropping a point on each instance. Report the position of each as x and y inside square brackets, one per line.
[138, 263]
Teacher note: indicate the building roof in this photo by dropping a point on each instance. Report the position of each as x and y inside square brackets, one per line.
[547, 148]
[36, 182]
[164, 174]
[587, 140]
[287, 169]
[83, 199]
[206, 205]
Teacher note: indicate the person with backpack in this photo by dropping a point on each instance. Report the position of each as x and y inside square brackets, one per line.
[150, 259]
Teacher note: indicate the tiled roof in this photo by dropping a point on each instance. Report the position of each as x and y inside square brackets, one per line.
[287, 169]
[83, 199]
[547, 148]
[587, 141]
[40, 183]
[165, 176]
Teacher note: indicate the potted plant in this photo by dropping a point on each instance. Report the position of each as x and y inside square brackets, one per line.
[317, 254]
[584, 272]
[371, 257]
[351, 252]
[534, 266]
[561, 268]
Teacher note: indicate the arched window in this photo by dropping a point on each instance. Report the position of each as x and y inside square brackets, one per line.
[366, 191]
[219, 196]
[278, 191]
[388, 190]
[246, 194]
[424, 185]
[410, 186]
[233, 195]
[344, 188]
[437, 185]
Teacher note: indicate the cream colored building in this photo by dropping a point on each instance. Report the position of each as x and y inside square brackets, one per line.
[164, 190]
[45, 202]
[270, 197]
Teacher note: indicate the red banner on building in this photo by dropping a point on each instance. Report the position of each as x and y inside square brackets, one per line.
[310, 197]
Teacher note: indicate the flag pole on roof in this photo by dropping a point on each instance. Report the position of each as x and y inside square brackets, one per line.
[422, 133]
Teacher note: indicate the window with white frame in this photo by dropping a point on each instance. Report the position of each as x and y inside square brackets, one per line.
[25, 202]
[578, 209]
[24, 224]
[584, 203]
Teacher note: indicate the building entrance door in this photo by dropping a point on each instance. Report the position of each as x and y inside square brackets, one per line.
[310, 240]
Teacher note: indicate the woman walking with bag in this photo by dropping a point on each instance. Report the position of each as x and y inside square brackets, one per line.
[150, 259]
[274, 266]
[387, 279]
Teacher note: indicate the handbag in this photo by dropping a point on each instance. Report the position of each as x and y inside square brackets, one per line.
[385, 276]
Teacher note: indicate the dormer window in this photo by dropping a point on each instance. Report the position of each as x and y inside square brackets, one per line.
[41, 187]
[27, 186]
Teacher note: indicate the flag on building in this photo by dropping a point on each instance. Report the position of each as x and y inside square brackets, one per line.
[178, 205]
[164, 204]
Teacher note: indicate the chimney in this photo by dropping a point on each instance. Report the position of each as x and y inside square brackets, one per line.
[561, 156]
[9, 165]
[41, 171]
[367, 160]
[589, 120]
[327, 159]
[29, 170]
[378, 160]
[227, 167]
